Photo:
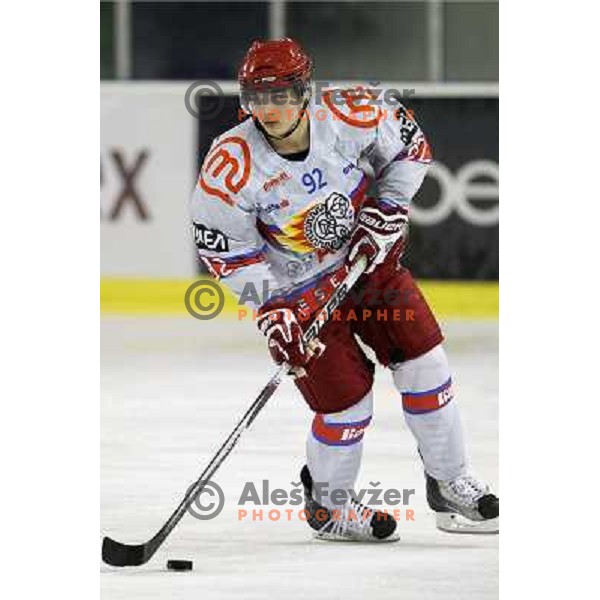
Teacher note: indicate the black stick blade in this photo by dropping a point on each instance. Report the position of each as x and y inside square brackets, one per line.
[123, 555]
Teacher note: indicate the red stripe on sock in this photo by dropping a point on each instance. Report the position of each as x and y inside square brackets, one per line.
[338, 434]
[422, 402]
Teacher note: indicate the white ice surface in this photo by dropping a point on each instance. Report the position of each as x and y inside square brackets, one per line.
[173, 388]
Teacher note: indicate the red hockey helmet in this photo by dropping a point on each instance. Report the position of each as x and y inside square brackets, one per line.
[273, 65]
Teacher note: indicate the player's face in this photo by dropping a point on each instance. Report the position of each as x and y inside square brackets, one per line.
[277, 110]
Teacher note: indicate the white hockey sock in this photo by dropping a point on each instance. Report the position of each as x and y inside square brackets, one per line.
[431, 413]
[334, 449]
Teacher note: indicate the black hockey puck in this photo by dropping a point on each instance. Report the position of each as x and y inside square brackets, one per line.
[180, 565]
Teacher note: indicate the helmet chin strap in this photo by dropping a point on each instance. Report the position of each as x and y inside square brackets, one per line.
[289, 131]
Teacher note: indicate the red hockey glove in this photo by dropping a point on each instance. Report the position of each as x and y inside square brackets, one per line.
[377, 231]
[284, 334]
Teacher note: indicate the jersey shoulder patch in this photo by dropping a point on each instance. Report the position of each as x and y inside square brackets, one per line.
[227, 166]
[353, 106]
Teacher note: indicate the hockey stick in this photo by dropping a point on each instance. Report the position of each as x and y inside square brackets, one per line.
[122, 555]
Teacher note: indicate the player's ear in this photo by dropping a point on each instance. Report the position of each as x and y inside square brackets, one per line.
[295, 97]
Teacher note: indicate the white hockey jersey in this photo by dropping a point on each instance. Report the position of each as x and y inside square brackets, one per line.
[267, 225]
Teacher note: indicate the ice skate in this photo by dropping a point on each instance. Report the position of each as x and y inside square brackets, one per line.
[463, 505]
[351, 522]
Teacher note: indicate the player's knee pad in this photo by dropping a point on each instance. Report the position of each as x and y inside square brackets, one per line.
[424, 382]
[344, 428]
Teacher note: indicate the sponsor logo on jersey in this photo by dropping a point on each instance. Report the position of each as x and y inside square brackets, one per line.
[349, 168]
[269, 208]
[276, 181]
[226, 169]
[355, 109]
[297, 268]
[210, 239]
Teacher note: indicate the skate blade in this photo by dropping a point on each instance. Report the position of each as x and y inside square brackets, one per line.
[455, 523]
[334, 537]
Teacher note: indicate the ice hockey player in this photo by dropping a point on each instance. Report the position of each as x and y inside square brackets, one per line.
[281, 204]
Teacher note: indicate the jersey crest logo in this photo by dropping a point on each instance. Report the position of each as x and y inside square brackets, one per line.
[225, 173]
[328, 224]
[324, 226]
